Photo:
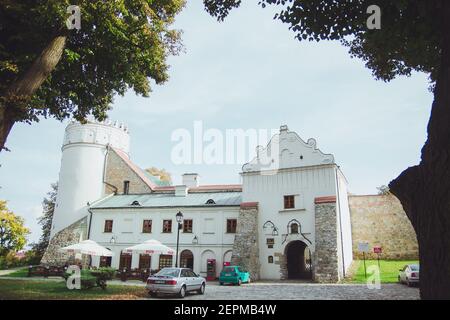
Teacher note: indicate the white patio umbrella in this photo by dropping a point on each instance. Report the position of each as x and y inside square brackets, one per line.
[150, 247]
[89, 247]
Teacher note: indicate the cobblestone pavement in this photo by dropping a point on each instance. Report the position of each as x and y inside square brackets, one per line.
[303, 291]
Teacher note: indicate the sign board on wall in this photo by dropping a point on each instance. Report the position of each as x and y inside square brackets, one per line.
[377, 249]
[363, 246]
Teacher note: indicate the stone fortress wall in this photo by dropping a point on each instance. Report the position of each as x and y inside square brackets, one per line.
[381, 221]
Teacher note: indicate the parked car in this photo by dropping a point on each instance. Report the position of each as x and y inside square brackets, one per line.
[409, 274]
[234, 275]
[177, 281]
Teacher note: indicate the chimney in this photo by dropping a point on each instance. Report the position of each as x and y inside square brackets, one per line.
[191, 180]
[181, 191]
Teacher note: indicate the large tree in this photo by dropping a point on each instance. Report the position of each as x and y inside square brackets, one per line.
[45, 221]
[48, 70]
[12, 231]
[414, 36]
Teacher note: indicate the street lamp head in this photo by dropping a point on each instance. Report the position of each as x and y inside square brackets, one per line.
[195, 240]
[113, 240]
[179, 217]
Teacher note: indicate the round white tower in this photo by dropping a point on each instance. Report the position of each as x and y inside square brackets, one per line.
[82, 168]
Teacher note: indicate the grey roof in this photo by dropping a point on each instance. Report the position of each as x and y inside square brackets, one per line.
[170, 200]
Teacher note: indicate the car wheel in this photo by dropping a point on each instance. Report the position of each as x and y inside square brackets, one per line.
[202, 289]
[221, 283]
[153, 294]
[182, 292]
[239, 282]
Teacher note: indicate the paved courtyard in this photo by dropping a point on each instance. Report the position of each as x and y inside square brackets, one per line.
[304, 291]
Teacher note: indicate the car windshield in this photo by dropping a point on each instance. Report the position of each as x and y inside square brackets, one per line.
[228, 269]
[168, 272]
[414, 267]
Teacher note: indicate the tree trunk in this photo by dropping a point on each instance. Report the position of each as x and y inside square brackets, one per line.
[14, 101]
[424, 190]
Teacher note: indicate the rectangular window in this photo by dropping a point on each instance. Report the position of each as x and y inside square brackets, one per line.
[167, 226]
[147, 226]
[289, 202]
[187, 226]
[145, 261]
[165, 261]
[108, 226]
[231, 225]
[126, 187]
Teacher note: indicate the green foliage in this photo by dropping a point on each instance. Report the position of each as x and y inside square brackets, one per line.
[122, 44]
[104, 273]
[12, 231]
[48, 207]
[94, 278]
[409, 39]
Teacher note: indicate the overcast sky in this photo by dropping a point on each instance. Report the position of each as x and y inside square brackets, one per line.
[247, 72]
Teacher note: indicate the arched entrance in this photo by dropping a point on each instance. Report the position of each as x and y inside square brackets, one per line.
[187, 259]
[298, 261]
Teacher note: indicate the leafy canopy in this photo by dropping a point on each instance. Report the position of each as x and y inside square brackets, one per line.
[12, 231]
[45, 221]
[122, 44]
[409, 39]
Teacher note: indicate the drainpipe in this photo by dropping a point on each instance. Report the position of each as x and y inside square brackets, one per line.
[340, 221]
[90, 220]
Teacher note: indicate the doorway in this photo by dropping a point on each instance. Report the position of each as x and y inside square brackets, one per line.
[298, 261]
[187, 259]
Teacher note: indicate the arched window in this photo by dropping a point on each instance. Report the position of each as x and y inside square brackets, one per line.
[210, 201]
[135, 203]
[294, 228]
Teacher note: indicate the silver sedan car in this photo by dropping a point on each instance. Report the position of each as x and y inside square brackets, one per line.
[175, 281]
[409, 274]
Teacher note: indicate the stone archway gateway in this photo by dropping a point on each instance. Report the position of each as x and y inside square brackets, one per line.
[298, 260]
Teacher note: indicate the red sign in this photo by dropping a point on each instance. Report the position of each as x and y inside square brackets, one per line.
[377, 250]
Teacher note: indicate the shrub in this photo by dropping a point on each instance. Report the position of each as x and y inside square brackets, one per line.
[93, 278]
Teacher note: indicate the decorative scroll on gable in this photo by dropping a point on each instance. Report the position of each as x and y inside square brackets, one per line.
[287, 150]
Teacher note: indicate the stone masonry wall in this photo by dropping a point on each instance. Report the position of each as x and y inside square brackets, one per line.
[117, 171]
[70, 235]
[245, 247]
[381, 221]
[325, 262]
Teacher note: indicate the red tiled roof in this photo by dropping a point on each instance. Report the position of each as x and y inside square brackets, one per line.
[249, 204]
[328, 199]
[153, 187]
[219, 187]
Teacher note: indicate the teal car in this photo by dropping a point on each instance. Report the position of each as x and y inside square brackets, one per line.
[234, 275]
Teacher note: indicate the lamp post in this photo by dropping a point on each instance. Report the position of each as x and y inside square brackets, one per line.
[179, 217]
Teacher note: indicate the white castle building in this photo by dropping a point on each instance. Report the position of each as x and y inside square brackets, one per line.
[289, 218]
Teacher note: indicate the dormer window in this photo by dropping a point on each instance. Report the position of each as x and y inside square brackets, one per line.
[135, 203]
[210, 201]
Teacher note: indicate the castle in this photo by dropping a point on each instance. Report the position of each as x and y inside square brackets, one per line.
[290, 218]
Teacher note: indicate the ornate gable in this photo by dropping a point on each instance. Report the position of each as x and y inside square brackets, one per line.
[287, 150]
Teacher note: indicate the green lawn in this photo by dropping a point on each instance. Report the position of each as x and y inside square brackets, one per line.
[39, 290]
[20, 273]
[388, 270]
